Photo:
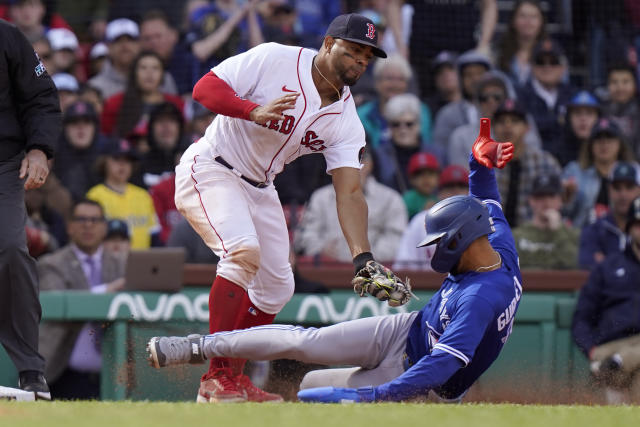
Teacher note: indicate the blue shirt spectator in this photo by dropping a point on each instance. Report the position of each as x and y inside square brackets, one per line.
[606, 235]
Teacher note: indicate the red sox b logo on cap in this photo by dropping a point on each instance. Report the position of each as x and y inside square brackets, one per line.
[371, 31]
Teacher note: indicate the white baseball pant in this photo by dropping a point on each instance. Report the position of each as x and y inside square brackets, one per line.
[242, 224]
[374, 345]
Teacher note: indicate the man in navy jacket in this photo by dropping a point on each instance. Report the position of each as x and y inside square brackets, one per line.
[606, 323]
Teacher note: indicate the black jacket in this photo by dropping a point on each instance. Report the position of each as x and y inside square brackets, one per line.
[609, 304]
[29, 107]
[549, 121]
[76, 168]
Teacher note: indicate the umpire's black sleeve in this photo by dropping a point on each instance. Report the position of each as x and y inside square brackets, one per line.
[34, 94]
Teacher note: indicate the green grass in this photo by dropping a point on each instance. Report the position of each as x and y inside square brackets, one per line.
[122, 414]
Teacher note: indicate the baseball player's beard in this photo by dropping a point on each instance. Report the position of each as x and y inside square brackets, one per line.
[348, 81]
[343, 74]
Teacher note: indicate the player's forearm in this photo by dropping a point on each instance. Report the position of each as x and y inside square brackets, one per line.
[217, 96]
[488, 22]
[255, 33]
[394, 18]
[207, 46]
[353, 214]
[583, 333]
[430, 372]
[482, 181]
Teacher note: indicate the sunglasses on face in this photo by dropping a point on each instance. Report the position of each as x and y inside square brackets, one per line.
[547, 61]
[396, 125]
[498, 97]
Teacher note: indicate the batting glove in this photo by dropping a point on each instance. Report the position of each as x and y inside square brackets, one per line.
[488, 152]
[337, 395]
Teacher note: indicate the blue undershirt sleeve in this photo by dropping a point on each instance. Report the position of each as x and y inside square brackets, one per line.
[482, 181]
[428, 373]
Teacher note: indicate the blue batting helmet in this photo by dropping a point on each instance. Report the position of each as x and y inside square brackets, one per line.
[452, 224]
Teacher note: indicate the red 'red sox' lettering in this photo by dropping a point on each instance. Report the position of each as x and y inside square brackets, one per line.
[287, 124]
[311, 142]
[285, 127]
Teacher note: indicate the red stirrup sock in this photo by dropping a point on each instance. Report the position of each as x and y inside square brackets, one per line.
[248, 316]
[225, 300]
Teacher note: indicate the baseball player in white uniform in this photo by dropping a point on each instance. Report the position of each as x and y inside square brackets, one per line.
[274, 104]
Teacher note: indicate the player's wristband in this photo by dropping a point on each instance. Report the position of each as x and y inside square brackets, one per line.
[361, 260]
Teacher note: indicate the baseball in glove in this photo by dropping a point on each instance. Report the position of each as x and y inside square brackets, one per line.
[377, 280]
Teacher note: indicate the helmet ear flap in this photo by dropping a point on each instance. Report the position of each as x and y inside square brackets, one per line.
[453, 244]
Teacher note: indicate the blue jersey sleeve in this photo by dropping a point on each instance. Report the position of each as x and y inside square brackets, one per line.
[483, 185]
[428, 373]
[454, 350]
[482, 181]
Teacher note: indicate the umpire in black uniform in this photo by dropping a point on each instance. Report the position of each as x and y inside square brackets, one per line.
[30, 123]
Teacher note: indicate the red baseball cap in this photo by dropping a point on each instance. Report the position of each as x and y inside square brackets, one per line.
[420, 161]
[454, 174]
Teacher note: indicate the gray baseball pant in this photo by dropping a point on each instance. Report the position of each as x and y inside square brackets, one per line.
[373, 346]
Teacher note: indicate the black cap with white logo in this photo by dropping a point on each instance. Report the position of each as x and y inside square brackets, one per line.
[358, 29]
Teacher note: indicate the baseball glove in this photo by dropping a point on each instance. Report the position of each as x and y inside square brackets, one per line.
[377, 280]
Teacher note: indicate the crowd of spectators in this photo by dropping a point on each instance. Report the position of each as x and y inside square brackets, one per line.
[125, 73]
[559, 79]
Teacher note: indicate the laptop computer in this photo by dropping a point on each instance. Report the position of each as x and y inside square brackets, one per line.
[155, 269]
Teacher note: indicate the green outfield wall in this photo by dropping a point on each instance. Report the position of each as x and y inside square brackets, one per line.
[539, 360]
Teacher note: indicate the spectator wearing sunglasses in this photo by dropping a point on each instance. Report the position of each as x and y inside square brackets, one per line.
[392, 76]
[403, 114]
[491, 91]
[547, 93]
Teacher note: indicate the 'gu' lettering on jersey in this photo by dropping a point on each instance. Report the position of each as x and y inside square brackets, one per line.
[260, 152]
[468, 320]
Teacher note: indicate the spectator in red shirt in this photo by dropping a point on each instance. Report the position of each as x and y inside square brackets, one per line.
[123, 111]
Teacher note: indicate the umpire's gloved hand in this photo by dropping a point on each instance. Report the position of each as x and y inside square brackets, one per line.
[337, 395]
[488, 152]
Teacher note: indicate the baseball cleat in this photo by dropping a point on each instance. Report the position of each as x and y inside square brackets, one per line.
[253, 393]
[33, 381]
[166, 351]
[220, 387]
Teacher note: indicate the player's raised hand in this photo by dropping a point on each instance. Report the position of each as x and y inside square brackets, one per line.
[488, 152]
[274, 109]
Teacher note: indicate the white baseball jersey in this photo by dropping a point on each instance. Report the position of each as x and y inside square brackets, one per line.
[267, 72]
[244, 225]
